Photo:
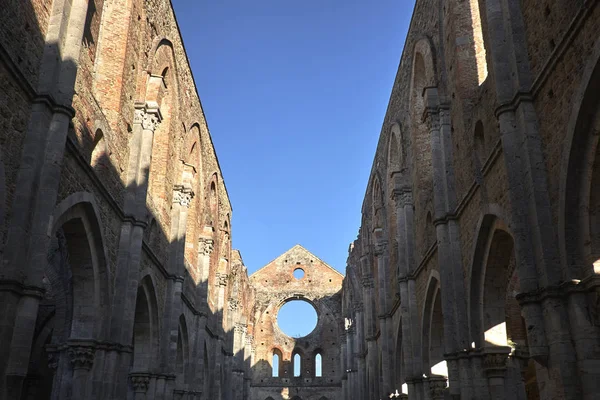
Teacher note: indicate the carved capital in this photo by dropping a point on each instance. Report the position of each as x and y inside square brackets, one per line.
[250, 340]
[221, 279]
[82, 357]
[140, 382]
[240, 328]
[437, 387]
[233, 304]
[402, 197]
[206, 246]
[148, 120]
[182, 195]
[380, 247]
[367, 282]
[357, 306]
[494, 361]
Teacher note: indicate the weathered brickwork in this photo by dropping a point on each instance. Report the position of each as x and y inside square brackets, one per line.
[493, 113]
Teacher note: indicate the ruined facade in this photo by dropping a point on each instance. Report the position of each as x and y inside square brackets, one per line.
[274, 285]
[474, 272]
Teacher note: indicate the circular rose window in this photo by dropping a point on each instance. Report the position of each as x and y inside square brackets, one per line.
[297, 318]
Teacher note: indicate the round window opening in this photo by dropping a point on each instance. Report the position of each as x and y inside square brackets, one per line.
[298, 273]
[297, 318]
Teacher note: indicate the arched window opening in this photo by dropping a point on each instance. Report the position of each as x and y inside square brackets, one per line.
[275, 365]
[318, 365]
[213, 204]
[479, 144]
[297, 365]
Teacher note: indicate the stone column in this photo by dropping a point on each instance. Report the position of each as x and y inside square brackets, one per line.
[411, 334]
[38, 178]
[82, 359]
[239, 337]
[182, 197]
[146, 120]
[453, 291]
[380, 250]
[351, 333]
[344, 361]
[359, 351]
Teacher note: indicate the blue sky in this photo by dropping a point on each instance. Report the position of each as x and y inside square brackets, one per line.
[294, 93]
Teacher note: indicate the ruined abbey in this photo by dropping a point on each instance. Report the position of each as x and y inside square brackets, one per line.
[473, 276]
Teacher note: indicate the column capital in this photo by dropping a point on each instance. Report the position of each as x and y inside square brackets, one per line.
[233, 304]
[494, 360]
[367, 282]
[240, 328]
[380, 247]
[205, 246]
[147, 115]
[221, 279]
[183, 195]
[140, 382]
[82, 357]
[402, 196]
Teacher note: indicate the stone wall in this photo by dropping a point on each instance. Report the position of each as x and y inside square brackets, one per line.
[115, 221]
[474, 199]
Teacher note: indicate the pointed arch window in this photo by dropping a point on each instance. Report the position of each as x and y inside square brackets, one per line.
[318, 365]
[297, 364]
[275, 365]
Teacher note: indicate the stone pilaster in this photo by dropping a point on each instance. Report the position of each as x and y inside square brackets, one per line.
[494, 365]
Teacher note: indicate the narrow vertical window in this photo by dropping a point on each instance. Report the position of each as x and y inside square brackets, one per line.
[297, 365]
[318, 365]
[275, 366]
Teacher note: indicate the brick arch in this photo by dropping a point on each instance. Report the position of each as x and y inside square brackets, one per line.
[425, 49]
[579, 215]
[396, 159]
[162, 92]
[377, 200]
[212, 200]
[190, 154]
[276, 351]
[423, 76]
